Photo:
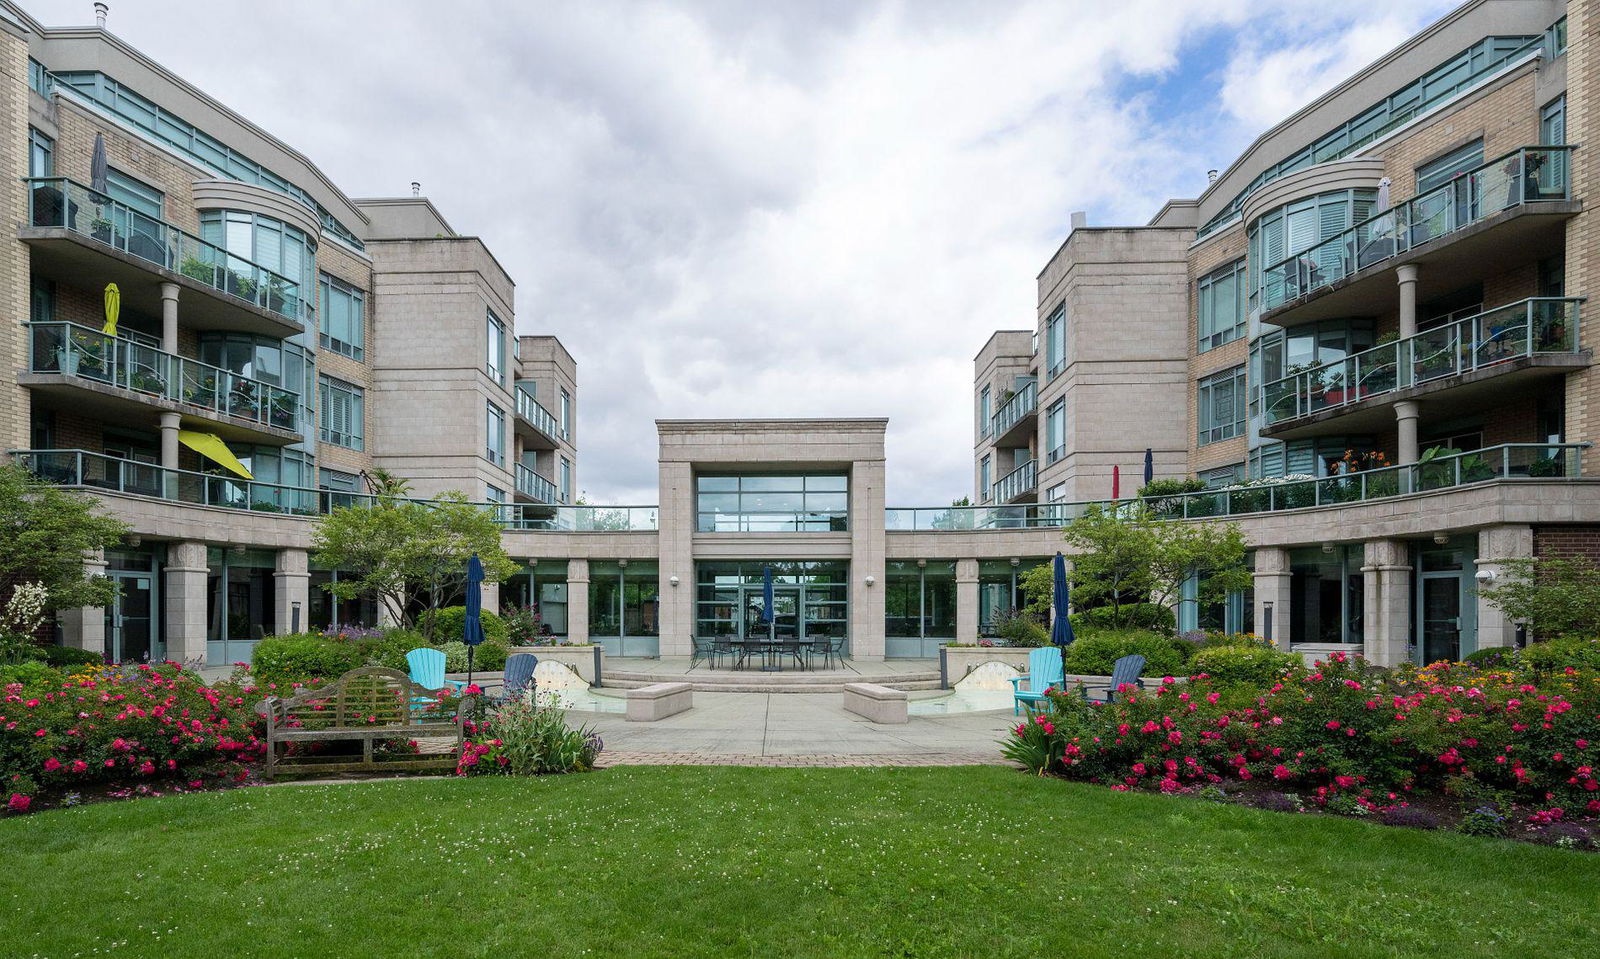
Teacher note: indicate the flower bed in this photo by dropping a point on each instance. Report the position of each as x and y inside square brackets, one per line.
[1344, 737]
[122, 732]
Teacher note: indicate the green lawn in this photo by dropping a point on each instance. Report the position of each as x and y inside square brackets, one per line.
[636, 862]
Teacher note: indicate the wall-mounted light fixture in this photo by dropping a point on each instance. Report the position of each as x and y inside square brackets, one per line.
[622, 563]
[673, 580]
[1015, 561]
[871, 580]
[1441, 538]
[1327, 547]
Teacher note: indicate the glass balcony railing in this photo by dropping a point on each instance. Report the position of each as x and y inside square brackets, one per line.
[529, 409]
[63, 203]
[1023, 479]
[1022, 403]
[97, 471]
[778, 521]
[85, 353]
[1514, 331]
[1529, 175]
[532, 484]
[1512, 461]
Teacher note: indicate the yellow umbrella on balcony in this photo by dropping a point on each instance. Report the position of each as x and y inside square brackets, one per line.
[210, 446]
[113, 307]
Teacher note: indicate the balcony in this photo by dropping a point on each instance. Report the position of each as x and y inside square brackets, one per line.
[98, 472]
[1507, 212]
[1016, 419]
[535, 487]
[115, 378]
[1478, 360]
[1512, 461]
[1020, 482]
[535, 424]
[78, 236]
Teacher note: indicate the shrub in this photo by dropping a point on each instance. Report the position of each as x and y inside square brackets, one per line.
[1484, 821]
[1566, 835]
[447, 624]
[1257, 664]
[1164, 497]
[1280, 802]
[1095, 653]
[71, 656]
[523, 626]
[1021, 629]
[1492, 657]
[1136, 615]
[302, 656]
[489, 657]
[1409, 816]
[30, 673]
[1557, 655]
[521, 739]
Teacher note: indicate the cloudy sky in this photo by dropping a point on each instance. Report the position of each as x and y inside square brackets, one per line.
[731, 208]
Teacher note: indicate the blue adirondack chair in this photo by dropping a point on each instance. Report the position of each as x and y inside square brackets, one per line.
[1124, 671]
[518, 677]
[427, 669]
[1044, 671]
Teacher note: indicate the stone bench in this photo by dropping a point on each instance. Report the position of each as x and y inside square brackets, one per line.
[880, 704]
[650, 703]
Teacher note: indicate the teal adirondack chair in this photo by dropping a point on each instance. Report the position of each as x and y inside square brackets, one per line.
[1044, 671]
[427, 669]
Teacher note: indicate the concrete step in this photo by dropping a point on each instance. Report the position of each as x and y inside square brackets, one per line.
[753, 681]
[758, 687]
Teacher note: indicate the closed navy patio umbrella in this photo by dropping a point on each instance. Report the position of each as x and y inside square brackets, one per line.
[472, 628]
[1149, 466]
[1060, 612]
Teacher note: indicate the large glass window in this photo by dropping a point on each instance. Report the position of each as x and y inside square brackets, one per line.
[342, 408]
[1220, 300]
[1296, 227]
[566, 413]
[264, 241]
[1442, 170]
[343, 318]
[1055, 430]
[495, 440]
[985, 411]
[624, 605]
[1221, 405]
[919, 607]
[1326, 595]
[278, 362]
[41, 154]
[1000, 590]
[1055, 342]
[772, 503]
[565, 487]
[134, 193]
[985, 478]
[810, 599]
[495, 333]
[327, 610]
[240, 603]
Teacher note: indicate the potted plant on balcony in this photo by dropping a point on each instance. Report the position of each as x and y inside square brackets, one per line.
[281, 410]
[146, 380]
[197, 269]
[202, 390]
[100, 229]
[91, 350]
[277, 293]
[67, 360]
[244, 287]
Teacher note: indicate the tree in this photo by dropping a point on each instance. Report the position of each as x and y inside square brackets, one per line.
[45, 535]
[1131, 555]
[386, 485]
[399, 551]
[1555, 597]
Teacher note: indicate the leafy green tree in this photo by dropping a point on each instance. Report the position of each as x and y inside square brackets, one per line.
[387, 485]
[45, 534]
[1130, 555]
[406, 554]
[1556, 597]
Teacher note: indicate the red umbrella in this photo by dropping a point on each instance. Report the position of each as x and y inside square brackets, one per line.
[1116, 482]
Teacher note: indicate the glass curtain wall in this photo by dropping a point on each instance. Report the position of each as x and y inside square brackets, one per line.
[625, 607]
[1000, 590]
[773, 503]
[240, 603]
[327, 610]
[811, 598]
[543, 585]
[919, 608]
[1326, 596]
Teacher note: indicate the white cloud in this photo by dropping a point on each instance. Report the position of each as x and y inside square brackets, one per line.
[729, 209]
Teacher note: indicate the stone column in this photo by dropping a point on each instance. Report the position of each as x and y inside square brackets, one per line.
[186, 602]
[491, 597]
[1386, 596]
[169, 318]
[291, 585]
[578, 603]
[169, 453]
[1407, 276]
[1495, 545]
[1405, 414]
[675, 540]
[1272, 586]
[967, 601]
[85, 626]
[868, 560]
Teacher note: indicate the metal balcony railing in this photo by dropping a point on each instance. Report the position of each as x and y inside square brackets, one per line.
[530, 409]
[1023, 402]
[1023, 479]
[532, 484]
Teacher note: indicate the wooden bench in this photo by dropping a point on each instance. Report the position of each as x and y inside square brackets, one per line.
[880, 704]
[650, 703]
[367, 705]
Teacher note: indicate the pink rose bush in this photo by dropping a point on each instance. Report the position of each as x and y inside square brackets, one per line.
[102, 728]
[1340, 731]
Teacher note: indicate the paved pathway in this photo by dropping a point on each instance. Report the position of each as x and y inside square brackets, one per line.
[796, 729]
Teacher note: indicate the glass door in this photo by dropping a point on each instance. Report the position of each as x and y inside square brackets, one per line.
[130, 634]
[786, 621]
[1440, 614]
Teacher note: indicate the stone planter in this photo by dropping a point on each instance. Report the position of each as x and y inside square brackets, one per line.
[956, 662]
[587, 661]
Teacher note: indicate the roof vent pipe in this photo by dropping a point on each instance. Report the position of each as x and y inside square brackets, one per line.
[416, 188]
[1211, 176]
[1080, 219]
[100, 11]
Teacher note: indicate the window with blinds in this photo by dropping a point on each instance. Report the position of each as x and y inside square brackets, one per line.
[1221, 405]
[1055, 342]
[343, 318]
[1219, 299]
[342, 412]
